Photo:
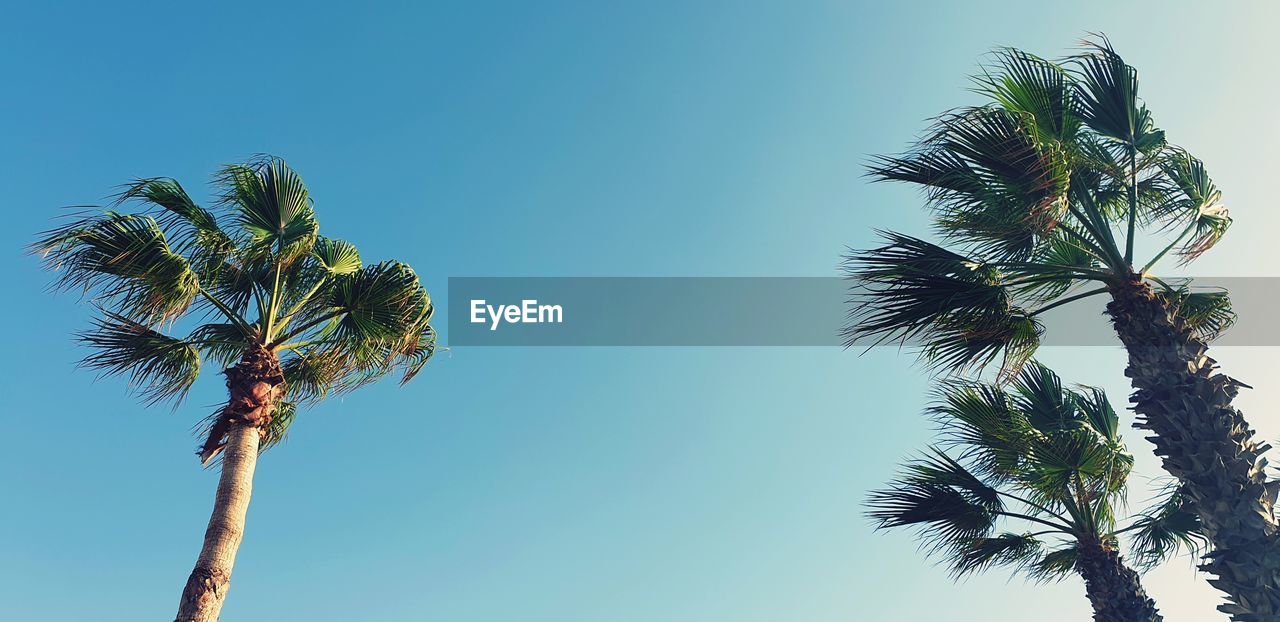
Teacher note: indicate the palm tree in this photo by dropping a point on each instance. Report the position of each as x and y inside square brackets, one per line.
[1031, 477]
[1040, 197]
[322, 322]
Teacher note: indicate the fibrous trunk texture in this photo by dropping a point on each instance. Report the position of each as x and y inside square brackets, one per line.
[1113, 588]
[1204, 442]
[255, 385]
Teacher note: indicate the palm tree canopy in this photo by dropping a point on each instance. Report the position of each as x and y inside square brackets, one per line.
[250, 271]
[1041, 190]
[1021, 475]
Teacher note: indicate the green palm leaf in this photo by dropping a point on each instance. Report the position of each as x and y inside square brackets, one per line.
[1057, 262]
[337, 257]
[1054, 565]
[127, 260]
[1096, 408]
[220, 342]
[981, 423]
[278, 429]
[1207, 312]
[1192, 198]
[942, 513]
[1024, 83]
[310, 376]
[159, 367]
[417, 354]
[381, 303]
[936, 468]
[269, 202]
[1167, 528]
[958, 310]
[990, 183]
[1108, 97]
[974, 555]
[197, 229]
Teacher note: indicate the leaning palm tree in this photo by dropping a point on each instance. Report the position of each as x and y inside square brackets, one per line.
[1030, 477]
[289, 316]
[1041, 197]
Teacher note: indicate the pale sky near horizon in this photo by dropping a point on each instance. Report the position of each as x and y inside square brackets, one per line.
[562, 139]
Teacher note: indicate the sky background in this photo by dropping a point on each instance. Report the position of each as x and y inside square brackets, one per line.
[560, 139]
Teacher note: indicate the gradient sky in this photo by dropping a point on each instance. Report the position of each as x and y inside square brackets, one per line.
[549, 138]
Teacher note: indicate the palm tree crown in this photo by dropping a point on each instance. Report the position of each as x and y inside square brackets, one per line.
[1042, 190]
[253, 274]
[1043, 196]
[1026, 476]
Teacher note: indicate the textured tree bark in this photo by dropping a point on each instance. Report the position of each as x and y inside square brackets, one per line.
[206, 588]
[1204, 442]
[1113, 588]
[255, 385]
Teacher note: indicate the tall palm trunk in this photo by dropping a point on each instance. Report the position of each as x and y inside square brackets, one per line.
[1206, 443]
[255, 385]
[207, 586]
[1113, 588]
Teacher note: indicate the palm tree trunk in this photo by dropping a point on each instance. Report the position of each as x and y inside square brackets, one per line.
[207, 586]
[1113, 588]
[255, 385]
[1204, 442]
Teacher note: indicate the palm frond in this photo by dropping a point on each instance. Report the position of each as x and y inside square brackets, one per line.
[331, 367]
[980, 422]
[972, 555]
[1107, 93]
[935, 468]
[416, 356]
[220, 342]
[1062, 465]
[198, 232]
[1056, 268]
[1207, 312]
[381, 304]
[310, 376]
[238, 282]
[1054, 565]
[942, 514]
[126, 263]
[1192, 198]
[1092, 402]
[1025, 83]
[307, 286]
[336, 256]
[159, 367]
[269, 202]
[991, 184]
[973, 342]
[1100, 163]
[278, 429]
[958, 310]
[1038, 393]
[1172, 525]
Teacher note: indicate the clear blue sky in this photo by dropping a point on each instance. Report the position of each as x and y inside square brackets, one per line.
[549, 138]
